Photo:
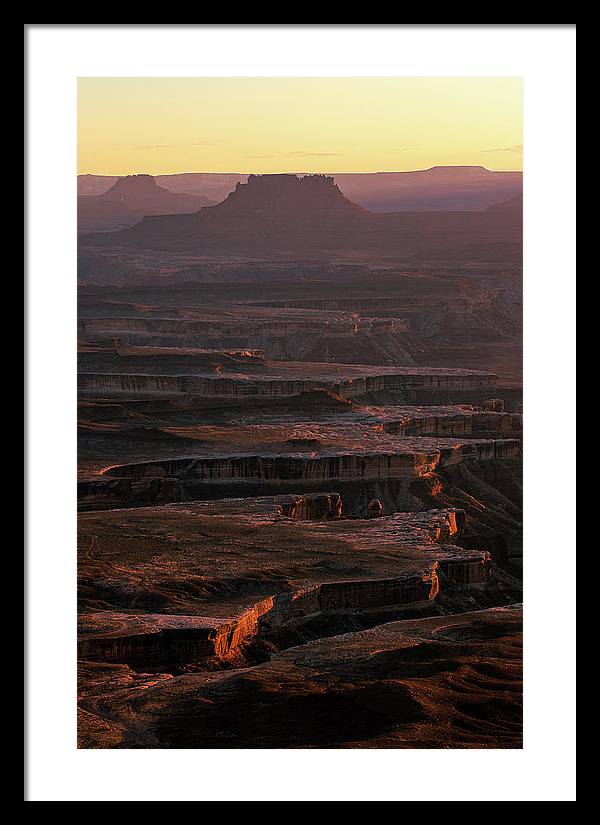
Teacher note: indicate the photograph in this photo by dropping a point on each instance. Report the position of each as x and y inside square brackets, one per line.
[294, 353]
[299, 413]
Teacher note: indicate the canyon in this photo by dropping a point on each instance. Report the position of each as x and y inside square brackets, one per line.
[299, 477]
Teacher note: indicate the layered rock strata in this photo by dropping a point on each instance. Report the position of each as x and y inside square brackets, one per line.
[406, 459]
[397, 561]
[201, 477]
[284, 381]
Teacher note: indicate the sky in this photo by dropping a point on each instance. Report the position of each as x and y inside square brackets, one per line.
[297, 124]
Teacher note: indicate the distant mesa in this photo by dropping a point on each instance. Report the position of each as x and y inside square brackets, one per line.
[306, 215]
[439, 188]
[308, 196]
[129, 200]
[458, 170]
[267, 210]
[133, 189]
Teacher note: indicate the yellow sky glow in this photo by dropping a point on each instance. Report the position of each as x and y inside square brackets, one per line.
[297, 124]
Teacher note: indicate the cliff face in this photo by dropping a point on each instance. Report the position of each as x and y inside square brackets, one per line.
[408, 460]
[287, 383]
[225, 607]
[362, 475]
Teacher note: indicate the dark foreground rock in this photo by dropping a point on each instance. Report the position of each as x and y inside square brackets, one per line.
[443, 682]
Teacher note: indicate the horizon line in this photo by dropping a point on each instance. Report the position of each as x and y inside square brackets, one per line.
[303, 172]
